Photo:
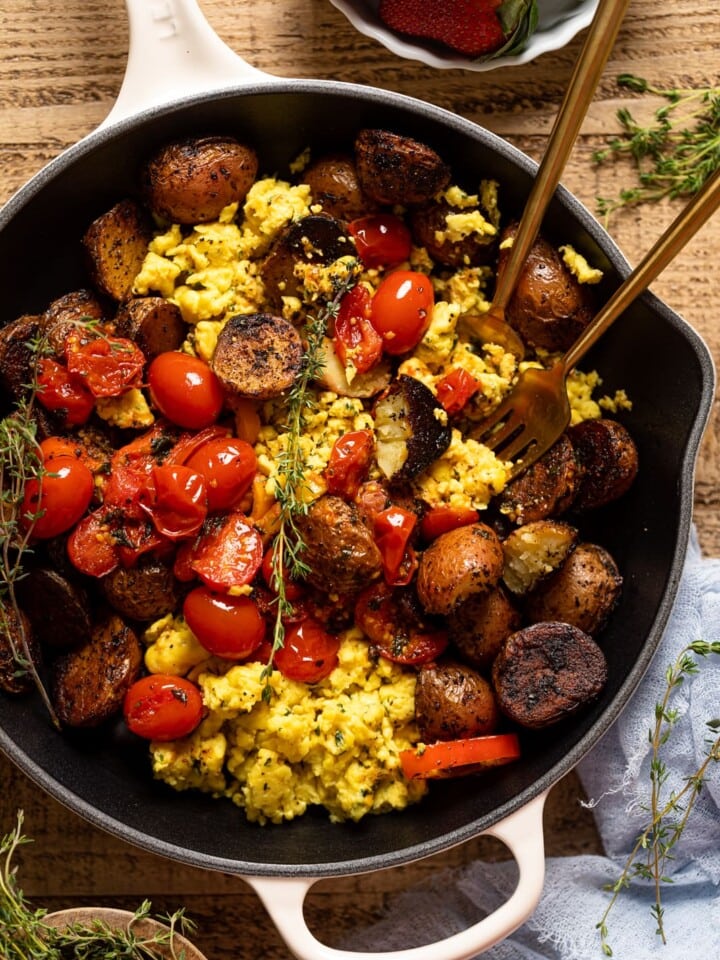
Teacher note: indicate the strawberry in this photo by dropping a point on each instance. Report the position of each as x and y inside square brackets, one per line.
[473, 27]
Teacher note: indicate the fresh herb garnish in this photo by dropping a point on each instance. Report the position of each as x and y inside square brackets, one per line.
[668, 815]
[675, 154]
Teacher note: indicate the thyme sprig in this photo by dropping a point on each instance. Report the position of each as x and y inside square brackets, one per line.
[669, 815]
[675, 154]
[25, 935]
[291, 483]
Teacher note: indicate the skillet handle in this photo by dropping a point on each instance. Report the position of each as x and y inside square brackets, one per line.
[521, 832]
[174, 53]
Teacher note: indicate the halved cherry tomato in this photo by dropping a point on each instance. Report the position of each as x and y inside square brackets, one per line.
[108, 366]
[182, 565]
[293, 590]
[138, 537]
[54, 502]
[392, 530]
[92, 547]
[443, 518]
[228, 466]
[349, 462]
[189, 443]
[356, 339]
[229, 627]
[229, 554]
[309, 653]
[392, 632]
[162, 707]
[130, 469]
[455, 389]
[185, 390]
[175, 499]
[60, 391]
[402, 310]
[454, 758]
[381, 239]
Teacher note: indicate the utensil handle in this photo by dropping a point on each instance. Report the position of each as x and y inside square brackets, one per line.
[680, 231]
[590, 64]
[521, 832]
[174, 52]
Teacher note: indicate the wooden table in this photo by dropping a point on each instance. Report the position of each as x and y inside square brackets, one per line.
[61, 64]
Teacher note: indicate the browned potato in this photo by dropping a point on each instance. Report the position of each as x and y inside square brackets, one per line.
[549, 308]
[89, 683]
[116, 244]
[608, 461]
[257, 355]
[457, 565]
[363, 385]
[14, 677]
[333, 183]
[410, 429]
[430, 230]
[192, 180]
[480, 625]
[546, 489]
[453, 701]
[394, 169]
[16, 355]
[153, 323]
[339, 546]
[316, 239]
[582, 592]
[144, 592]
[534, 551]
[546, 672]
[57, 609]
[65, 314]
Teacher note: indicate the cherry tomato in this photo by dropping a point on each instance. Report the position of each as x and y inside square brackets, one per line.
[175, 499]
[444, 518]
[356, 339]
[392, 530]
[348, 465]
[381, 617]
[452, 758]
[293, 590]
[455, 389]
[309, 653]
[92, 546]
[108, 366]
[138, 537]
[229, 627]
[228, 467]
[185, 390]
[130, 470]
[53, 447]
[58, 499]
[182, 564]
[189, 443]
[381, 239]
[162, 707]
[402, 309]
[229, 554]
[60, 391]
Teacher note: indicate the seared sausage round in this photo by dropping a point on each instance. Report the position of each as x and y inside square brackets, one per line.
[57, 608]
[64, 315]
[608, 461]
[393, 168]
[257, 355]
[453, 701]
[546, 489]
[154, 323]
[144, 592]
[458, 564]
[14, 677]
[546, 672]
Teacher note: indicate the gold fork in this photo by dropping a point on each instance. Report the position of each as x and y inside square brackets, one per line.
[537, 409]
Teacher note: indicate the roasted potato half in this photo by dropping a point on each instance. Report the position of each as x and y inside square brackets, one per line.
[452, 701]
[393, 168]
[116, 244]
[458, 564]
[363, 385]
[534, 551]
[334, 184]
[480, 625]
[455, 236]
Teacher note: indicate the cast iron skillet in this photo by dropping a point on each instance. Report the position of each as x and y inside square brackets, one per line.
[651, 352]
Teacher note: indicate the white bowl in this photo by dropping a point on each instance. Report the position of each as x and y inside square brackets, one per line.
[558, 22]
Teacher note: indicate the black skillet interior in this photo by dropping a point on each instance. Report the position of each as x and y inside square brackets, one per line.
[651, 352]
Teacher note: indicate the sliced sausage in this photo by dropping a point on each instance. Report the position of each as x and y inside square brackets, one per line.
[144, 592]
[66, 314]
[17, 357]
[393, 168]
[453, 701]
[339, 547]
[608, 461]
[90, 682]
[257, 355]
[57, 608]
[546, 489]
[547, 672]
[153, 323]
[334, 184]
[190, 181]
[116, 244]
[457, 565]
[480, 625]
[14, 628]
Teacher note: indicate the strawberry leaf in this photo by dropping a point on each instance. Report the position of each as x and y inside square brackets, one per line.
[519, 19]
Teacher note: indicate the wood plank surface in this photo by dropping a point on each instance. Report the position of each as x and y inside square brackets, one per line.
[61, 65]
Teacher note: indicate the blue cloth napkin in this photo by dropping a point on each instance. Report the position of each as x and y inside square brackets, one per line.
[615, 775]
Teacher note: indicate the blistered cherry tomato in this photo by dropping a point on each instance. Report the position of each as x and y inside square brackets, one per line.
[293, 590]
[92, 546]
[309, 653]
[228, 466]
[356, 339]
[455, 389]
[162, 707]
[185, 390]
[138, 537]
[382, 239]
[60, 391]
[108, 366]
[55, 502]
[229, 627]
[349, 462]
[402, 309]
[392, 530]
[229, 554]
[53, 447]
[175, 499]
[380, 616]
[441, 519]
